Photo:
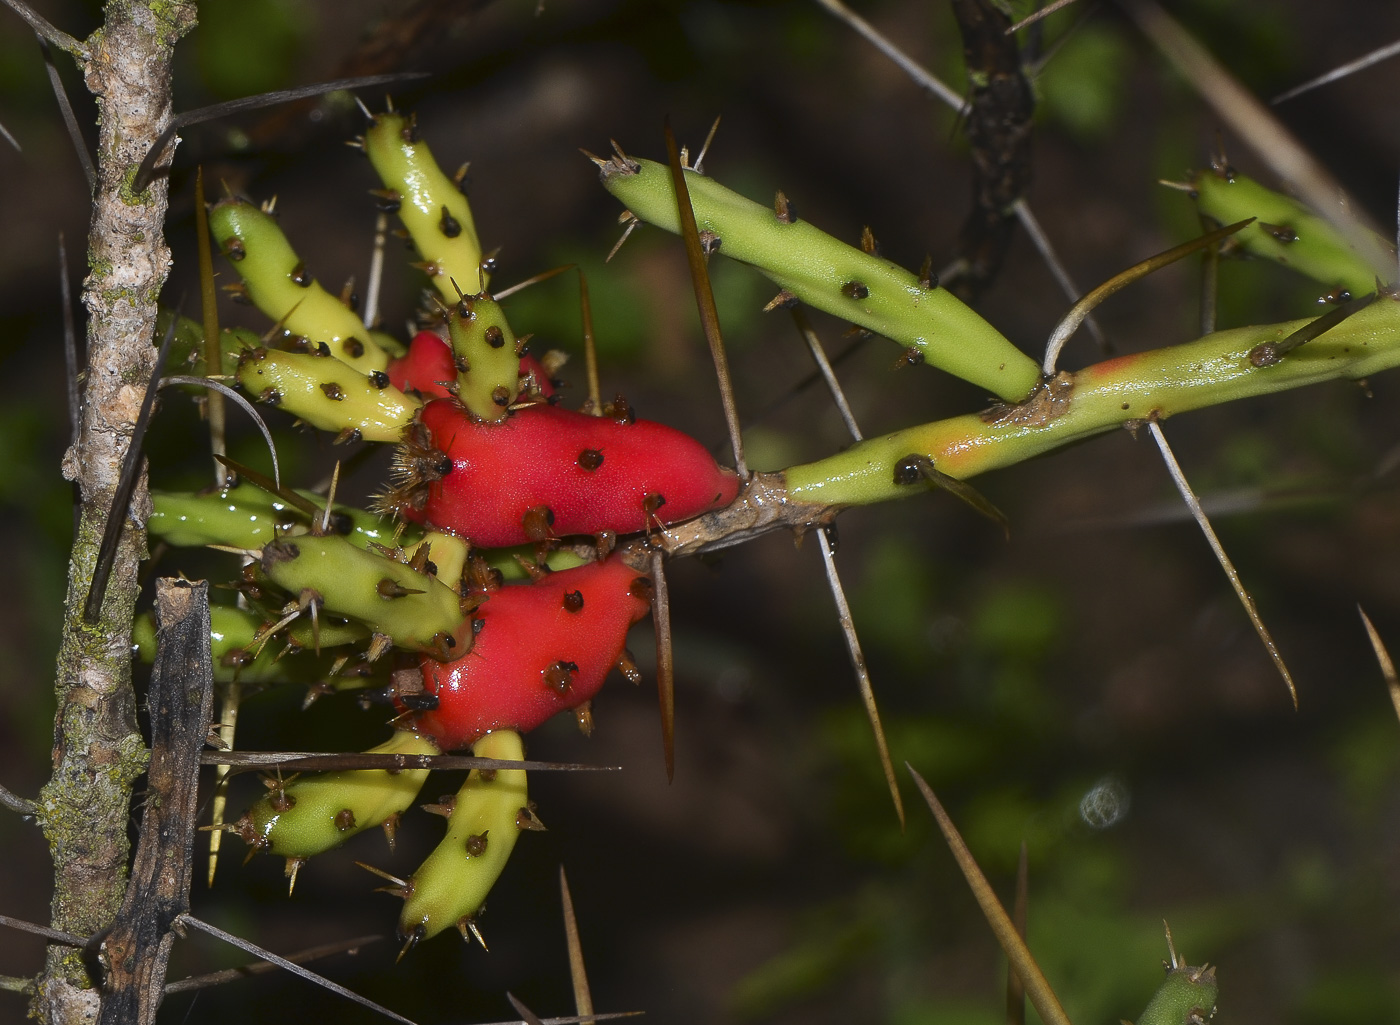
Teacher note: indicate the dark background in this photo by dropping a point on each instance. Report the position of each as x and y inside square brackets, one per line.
[1093, 652]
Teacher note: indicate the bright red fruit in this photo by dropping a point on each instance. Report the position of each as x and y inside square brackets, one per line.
[540, 648]
[547, 472]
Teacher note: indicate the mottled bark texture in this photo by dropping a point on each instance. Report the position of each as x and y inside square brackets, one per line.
[98, 751]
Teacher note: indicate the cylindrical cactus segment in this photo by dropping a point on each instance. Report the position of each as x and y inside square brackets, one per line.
[546, 471]
[312, 814]
[1285, 231]
[486, 358]
[541, 648]
[413, 609]
[245, 516]
[327, 393]
[280, 286]
[1186, 997]
[431, 205]
[233, 636]
[450, 886]
[811, 266]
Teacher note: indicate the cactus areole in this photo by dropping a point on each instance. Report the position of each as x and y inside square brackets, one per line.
[540, 649]
[548, 472]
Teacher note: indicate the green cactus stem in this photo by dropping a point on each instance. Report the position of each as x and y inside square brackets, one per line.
[411, 608]
[430, 204]
[1123, 392]
[233, 640]
[312, 814]
[279, 284]
[245, 516]
[1285, 231]
[487, 815]
[811, 266]
[1186, 997]
[487, 356]
[328, 393]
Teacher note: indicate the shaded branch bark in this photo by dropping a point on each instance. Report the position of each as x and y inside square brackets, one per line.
[98, 751]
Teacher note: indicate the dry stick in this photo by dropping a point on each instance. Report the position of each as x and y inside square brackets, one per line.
[70, 346]
[1017, 953]
[705, 300]
[1015, 989]
[527, 1015]
[181, 696]
[259, 967]
[248, 407]
[70, 121]
[590, 347]
[209, 307]
[16, 984]
[1392, 682]
[1044, 12]
[17, 804]
[1260, 129]
[1352, 67]
[5, 133]
[1189, 496]
[1070, 324]
[533, 279]
[59, 38]
[935, 87]
[583, 999]
[867, 694]
[665, 661]
[229, 702]
[202, 114]
[67, 939]
[295, 969]
[814, 346]
[121, 498]
[244, 761]
[376, 269]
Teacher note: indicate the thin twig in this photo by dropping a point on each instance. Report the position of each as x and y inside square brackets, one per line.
[1350, 68]
[814, 346]
[590, 347]
[867, 693]
[194, 117]
[1015, 988]
[8, 137]
[259, 967]
[16, 984]
[70, 346]
[1044, 12]
[1062, 277]
[1392, 682]
[1022, 961]
[70, 121]
[209, 308]
[247, 407]
[578, 974]
[527, 1015]
[1070, 324]
[53, 935]
[921, 76]
[1189, 496]
[295, 969]
[59, 38]
[309, 761]
[228, 735]
[15, 803]
[705, 300]
[376, 270]
[665, 661]
[126, 484]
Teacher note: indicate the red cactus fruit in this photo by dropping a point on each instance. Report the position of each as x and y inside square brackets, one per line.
[547, 472]
[428, 369]
[540, 648]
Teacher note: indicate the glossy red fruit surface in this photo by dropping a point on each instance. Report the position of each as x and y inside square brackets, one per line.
[547, 471]
[541, 648]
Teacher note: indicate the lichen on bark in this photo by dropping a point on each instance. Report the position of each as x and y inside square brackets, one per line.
[98, 751]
